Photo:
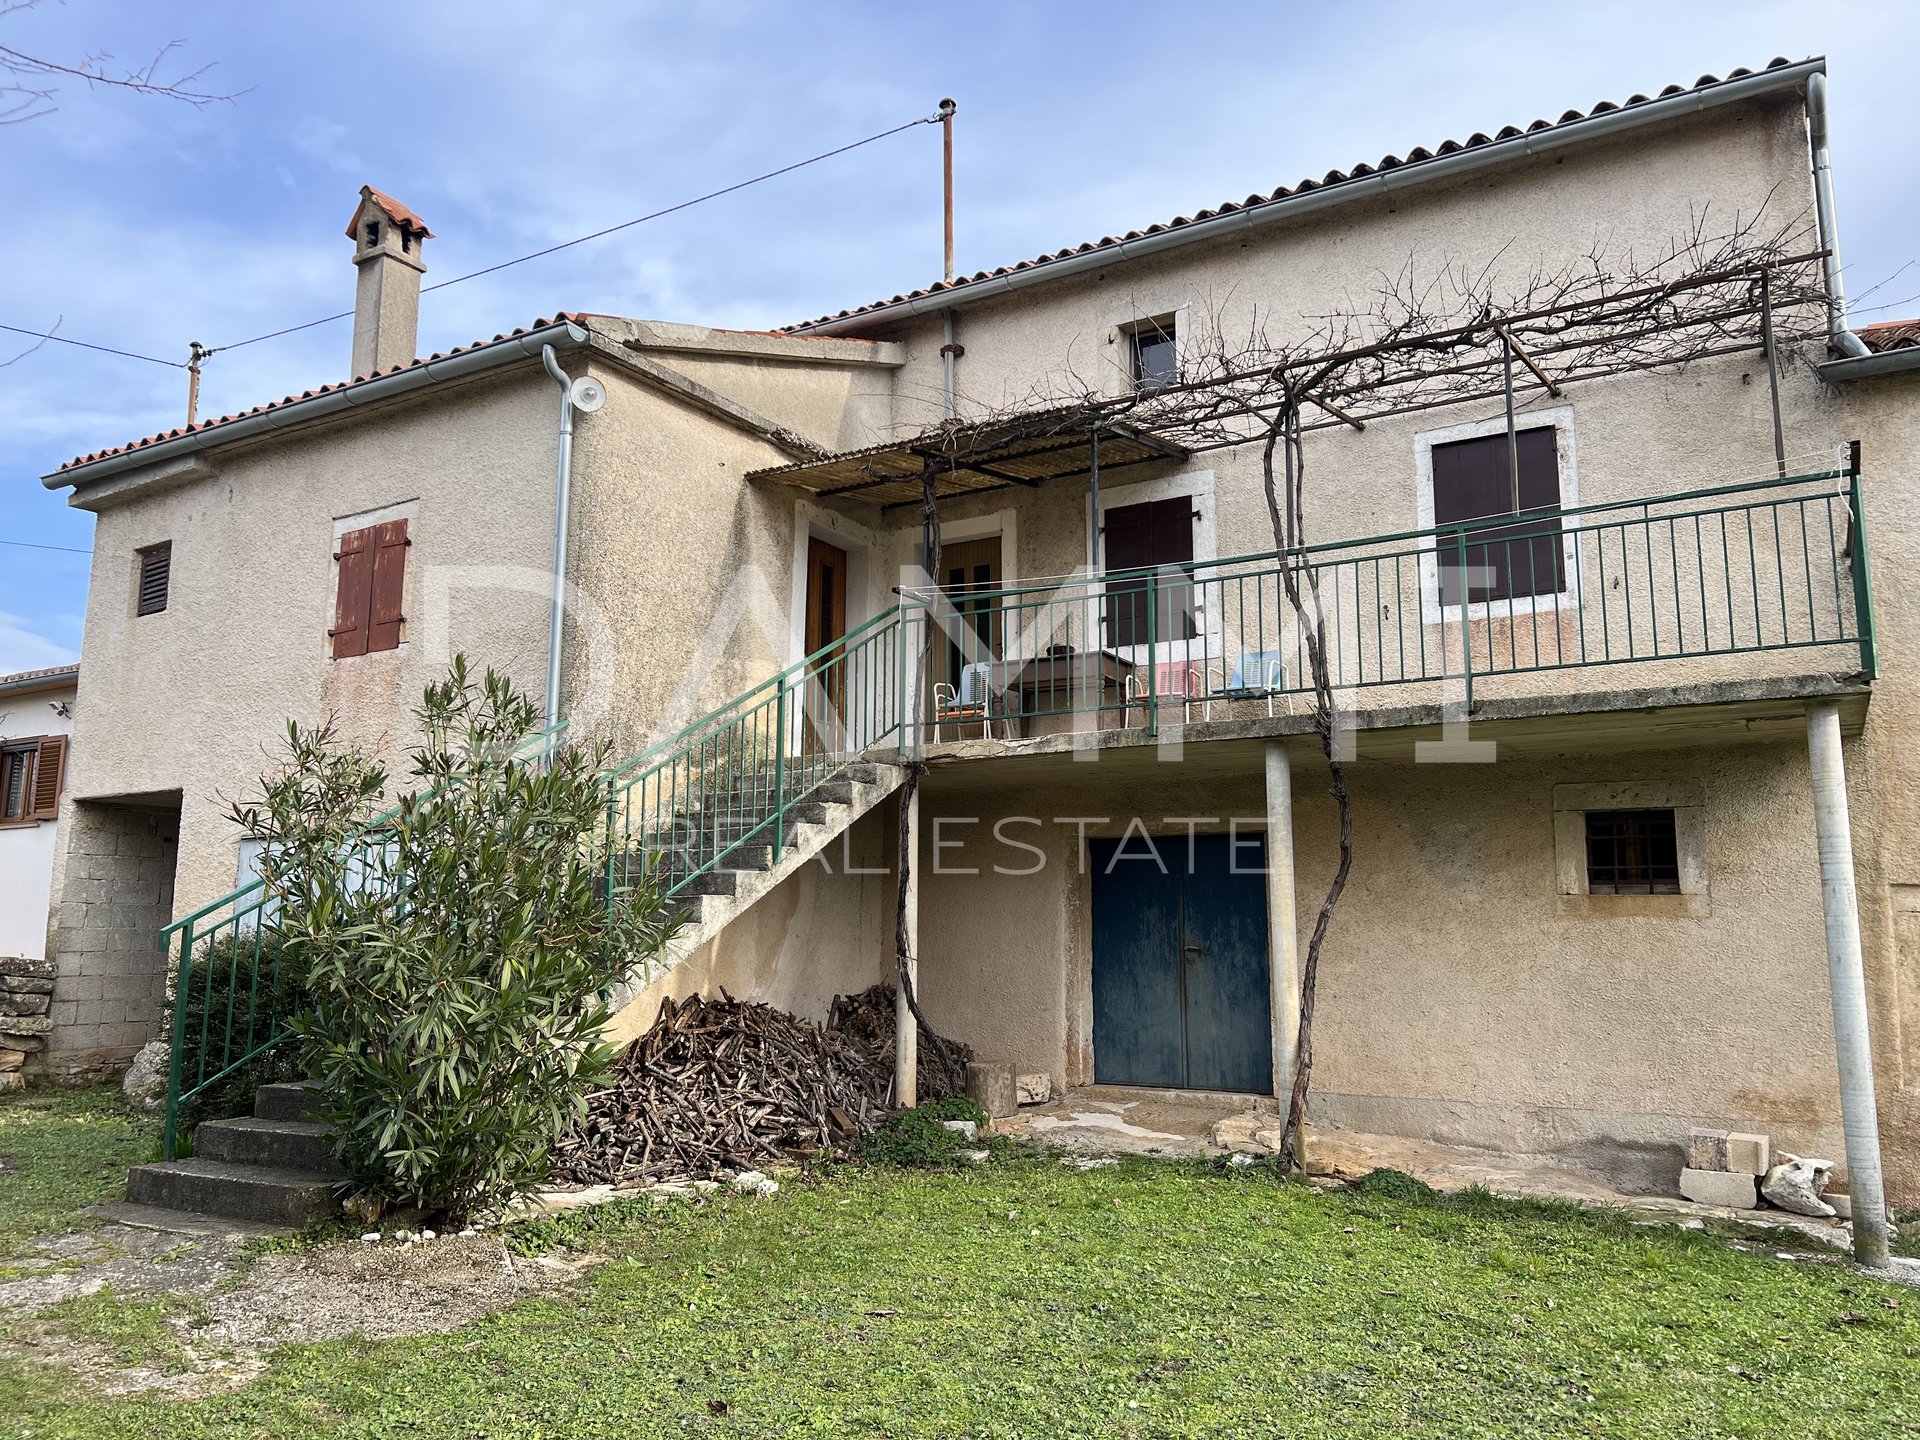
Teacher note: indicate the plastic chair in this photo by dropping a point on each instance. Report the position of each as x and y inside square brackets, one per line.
[1176, 680]
[1260, 674]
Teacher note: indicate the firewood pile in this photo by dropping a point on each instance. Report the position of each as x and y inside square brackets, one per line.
[717, 1087]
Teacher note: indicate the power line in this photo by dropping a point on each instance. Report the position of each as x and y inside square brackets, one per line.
[490, 269]
[601, 234]
[103, 349]
[31, 545]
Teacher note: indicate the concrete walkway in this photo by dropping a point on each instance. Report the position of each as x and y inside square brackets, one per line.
[1112, 1120]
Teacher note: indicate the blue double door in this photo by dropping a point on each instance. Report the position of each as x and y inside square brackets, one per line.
[1181, 989]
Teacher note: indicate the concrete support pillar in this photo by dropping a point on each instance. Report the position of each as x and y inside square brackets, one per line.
[1283, 929]
[1846, 978]
[906, 1030]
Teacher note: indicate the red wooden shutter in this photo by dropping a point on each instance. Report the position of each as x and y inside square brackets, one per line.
[49, 774]
[354, 599]
[389, 586]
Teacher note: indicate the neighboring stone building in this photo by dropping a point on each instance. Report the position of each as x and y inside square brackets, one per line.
[1610, 934]
[36, 719]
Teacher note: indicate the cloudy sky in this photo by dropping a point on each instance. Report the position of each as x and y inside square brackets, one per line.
[142, 225]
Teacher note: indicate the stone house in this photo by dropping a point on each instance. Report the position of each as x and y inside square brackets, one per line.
[1597, 925]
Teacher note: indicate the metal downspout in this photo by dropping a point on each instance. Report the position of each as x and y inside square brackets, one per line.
[563, 484]
[1846, 978]
[1838, 334]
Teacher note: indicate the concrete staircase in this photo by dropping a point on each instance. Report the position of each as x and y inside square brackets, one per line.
[714, 898]
[273, 1168]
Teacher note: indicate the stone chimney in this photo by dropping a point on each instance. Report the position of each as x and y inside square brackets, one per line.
[387, 242]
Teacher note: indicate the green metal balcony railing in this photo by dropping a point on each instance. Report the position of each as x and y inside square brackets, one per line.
[1773, 566]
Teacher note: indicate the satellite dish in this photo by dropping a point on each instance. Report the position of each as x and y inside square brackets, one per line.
[587, 394]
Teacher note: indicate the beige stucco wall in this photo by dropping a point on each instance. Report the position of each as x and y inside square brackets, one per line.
[1457, 1000]
[1634, 436]
[193, 702]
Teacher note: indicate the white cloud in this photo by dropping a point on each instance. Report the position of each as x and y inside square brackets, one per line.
[22, 649]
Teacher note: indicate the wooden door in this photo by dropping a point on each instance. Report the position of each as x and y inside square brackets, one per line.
[826, 624]
[1180, 975]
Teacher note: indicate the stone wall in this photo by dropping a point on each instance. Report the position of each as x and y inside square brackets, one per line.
[109, 980]
[25, 990]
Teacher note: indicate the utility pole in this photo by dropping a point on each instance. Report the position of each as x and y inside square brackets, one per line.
[196, 352]
[947, 109]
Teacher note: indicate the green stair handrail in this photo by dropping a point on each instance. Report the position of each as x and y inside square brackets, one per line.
[730, 779]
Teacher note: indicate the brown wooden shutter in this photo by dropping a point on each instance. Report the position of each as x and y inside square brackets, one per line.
[353, 604]
[387, 615]
[49, 775]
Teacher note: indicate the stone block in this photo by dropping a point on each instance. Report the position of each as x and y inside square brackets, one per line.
[27, 984]
[1749, 1154]
[1841, 1202]
[12, 1080]
[24, 1025]
[1706, 1149]
[1033, 1089]
[19, 965]
[990, 1086]
[1719, 1187]
[12, 1003]
[82, 989]
[11, 1059]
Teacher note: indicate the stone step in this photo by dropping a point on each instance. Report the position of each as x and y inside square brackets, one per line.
[288, 1100]
[262, 1193]
[282, 1144]
[743, 858]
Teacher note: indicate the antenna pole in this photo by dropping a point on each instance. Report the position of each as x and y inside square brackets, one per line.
[947, 108]
[196, 352]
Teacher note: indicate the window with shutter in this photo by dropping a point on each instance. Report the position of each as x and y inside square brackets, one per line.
[370, 590]
[16, 783]
[32, 774]
[1474, 480]
[156, 569]
[1157, 535]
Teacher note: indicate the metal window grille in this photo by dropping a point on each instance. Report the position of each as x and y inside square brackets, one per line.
[1632, 852]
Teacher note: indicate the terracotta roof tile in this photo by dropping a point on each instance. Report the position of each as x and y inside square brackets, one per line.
[1891, 335]
[52, 673]
[1332, 177]
[204, 425]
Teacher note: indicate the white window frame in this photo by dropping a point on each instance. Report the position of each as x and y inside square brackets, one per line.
[1432, 611]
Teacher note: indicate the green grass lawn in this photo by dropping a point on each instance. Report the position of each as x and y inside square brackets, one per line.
[62, 1150]
[1030, 1299]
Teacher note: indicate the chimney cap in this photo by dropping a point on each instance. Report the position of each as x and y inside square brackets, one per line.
[391, 208]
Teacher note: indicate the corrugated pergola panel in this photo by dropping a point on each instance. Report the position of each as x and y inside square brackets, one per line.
[967, 461]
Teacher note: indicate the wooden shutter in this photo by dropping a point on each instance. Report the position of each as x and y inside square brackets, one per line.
[389, 588]
[1156, 534]
[353, 602]
[1473, 479]
[49, 775]
[156, 568]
